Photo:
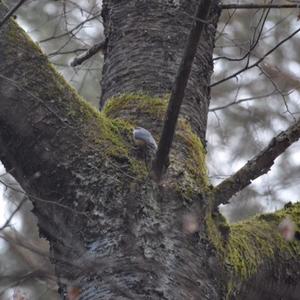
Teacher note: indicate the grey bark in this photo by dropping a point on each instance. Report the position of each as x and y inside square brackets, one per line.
[146, 40]
[113, 234]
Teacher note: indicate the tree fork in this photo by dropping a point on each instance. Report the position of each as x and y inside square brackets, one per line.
[56, 147]
[125, 237]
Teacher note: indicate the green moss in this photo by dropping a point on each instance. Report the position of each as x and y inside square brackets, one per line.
[195, 154]
[110, 134]
[253, 242]
[193, 162]
[113, 136]
[104, 129]
[18, 36]
[214, 233]
[140, 103]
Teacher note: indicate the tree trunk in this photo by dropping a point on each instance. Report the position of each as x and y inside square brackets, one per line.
[146, 40]
[115, 233]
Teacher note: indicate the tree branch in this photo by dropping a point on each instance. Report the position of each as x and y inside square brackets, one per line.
[88, 54]
[257, 6]
[43, 121]
[178, 90]
[248, 67]
[11, 12]
[254, 40]
[257, 166]
[235, 102]
[7, 223]
[70, 32]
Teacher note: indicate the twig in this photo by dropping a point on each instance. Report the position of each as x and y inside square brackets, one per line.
[32, 197]
[88, 54]
[257, 6]
[257, 166]
[11, 12]
[55, 53]
[13, 213]
[178, 90]
[254, 41]
[248, 67]
[70, 32]
[235, 102]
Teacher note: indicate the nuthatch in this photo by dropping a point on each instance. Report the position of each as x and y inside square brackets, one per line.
[143, 138]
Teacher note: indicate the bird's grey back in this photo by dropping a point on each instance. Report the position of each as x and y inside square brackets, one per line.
[143, 134]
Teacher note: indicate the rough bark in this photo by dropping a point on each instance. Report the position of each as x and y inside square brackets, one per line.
[259, 263]
[179, 87]
[146, 40]
[113, 232]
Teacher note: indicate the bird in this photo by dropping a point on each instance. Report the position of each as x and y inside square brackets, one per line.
[146, 142]
[144, 139]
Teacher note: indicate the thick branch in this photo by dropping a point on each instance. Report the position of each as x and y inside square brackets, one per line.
[258, 165]
[178, 90]
[255, 251]
[88, 54]
[47, 132]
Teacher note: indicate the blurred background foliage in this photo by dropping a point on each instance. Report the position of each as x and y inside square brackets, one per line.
[246, 110]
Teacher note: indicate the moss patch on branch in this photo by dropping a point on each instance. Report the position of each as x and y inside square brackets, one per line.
[110, 130]
[194, 154]
[113, 136]
[138, 104]
[254, 242]
[188, 155]
[60, 102]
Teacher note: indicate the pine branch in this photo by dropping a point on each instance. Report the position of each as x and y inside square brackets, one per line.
[257, 166]
[178, 90]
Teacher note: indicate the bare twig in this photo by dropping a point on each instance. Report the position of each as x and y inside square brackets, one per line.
[277, 88]
[23, 276]
[32, 197]
[242, 48]
[55, 53]
[88, 54]
[230, 17]
[257, 6]
[257, 166]
[254, 40]
[7, 223]
[248, 67]
[71, 31]
[11, 12]
[178, 90]
[235, 102]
